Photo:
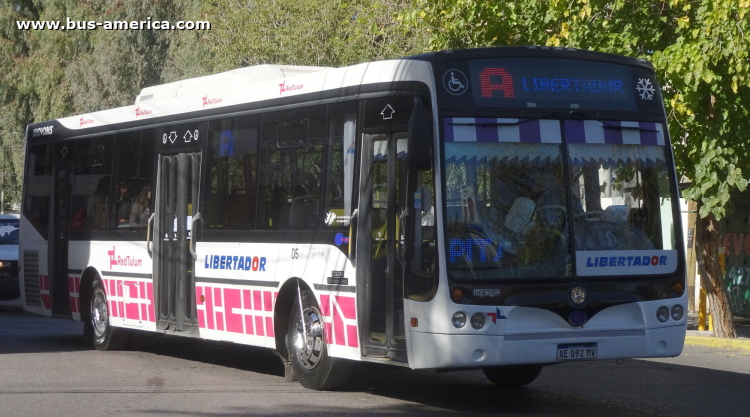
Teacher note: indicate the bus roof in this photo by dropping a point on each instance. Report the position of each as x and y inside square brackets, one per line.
[242, 89]
[231, 91]
[236, 78]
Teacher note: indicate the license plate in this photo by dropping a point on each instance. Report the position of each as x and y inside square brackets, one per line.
[572, 352]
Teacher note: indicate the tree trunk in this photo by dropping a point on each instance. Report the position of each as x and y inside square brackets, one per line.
[707, 249]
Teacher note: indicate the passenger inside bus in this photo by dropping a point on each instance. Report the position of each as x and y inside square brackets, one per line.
[141, 210]
[96, 206]
[124, 204]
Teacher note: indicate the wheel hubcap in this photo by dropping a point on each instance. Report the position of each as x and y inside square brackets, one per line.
[99, 313]
[308, 339]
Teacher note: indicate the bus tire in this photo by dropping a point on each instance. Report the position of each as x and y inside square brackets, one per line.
[513, 376]
[105, 336]
[308, 352]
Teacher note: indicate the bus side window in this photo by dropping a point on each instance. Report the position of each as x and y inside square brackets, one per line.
[291, 169]
[92, 183]
[133, 174]
[342, 133]
[232, 170]
[37, 188]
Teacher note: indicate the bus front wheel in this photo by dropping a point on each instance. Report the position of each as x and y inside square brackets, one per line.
[105, 336]
[513, 375]
[308, 352]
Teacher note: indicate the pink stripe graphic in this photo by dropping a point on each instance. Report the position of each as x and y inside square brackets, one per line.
[269, 326]
[257, 300]
[201, 313]
[325, 305]
[209, 308]
[351, 336]
[150, 292]
[267, 304]
[347, 307]
[233, 300]
[338, 330]
[247, 299]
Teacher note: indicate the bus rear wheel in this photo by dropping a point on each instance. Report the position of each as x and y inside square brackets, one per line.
[513, 376]
[105, 336]
[308, 352]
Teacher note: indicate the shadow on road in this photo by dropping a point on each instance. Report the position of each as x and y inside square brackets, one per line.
[22, 332]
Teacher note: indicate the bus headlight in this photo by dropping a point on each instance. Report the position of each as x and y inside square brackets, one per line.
[477, 321]
[662, 314]
[459, 320]
[677, 312]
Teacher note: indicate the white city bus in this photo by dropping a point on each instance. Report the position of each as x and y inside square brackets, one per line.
[499, 209]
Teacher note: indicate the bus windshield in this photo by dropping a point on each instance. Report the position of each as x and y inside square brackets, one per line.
[9, 231]
[511, 198]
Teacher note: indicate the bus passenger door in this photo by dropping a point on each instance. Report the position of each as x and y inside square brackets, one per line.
[177, 206]
[58, 241]
[382, 201]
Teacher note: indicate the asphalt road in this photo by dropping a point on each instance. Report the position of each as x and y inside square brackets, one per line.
[45, 369]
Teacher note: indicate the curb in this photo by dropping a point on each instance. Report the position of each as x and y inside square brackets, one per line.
[715, 342]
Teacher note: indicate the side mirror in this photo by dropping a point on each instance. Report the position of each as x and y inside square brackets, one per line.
[420, 139]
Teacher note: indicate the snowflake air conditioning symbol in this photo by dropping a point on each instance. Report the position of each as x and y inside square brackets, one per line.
[645, 88]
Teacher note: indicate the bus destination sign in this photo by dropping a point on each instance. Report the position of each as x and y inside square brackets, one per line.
[548, 83]
[562, 83]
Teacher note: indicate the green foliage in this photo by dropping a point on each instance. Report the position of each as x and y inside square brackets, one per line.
[316, 32]
[698, 48]
[47, 74]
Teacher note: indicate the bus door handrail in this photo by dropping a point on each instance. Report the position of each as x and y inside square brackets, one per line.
[148, 235]
[196, 218]
[353, 235]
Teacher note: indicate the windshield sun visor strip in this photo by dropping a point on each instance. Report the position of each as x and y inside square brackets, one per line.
[493, 130]
[614, 132]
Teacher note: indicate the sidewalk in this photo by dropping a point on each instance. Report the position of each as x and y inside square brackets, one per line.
[695, 337]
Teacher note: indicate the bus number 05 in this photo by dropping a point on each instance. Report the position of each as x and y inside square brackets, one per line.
[295, 253]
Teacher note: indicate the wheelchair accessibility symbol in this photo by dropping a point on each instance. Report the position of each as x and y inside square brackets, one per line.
[455, 82]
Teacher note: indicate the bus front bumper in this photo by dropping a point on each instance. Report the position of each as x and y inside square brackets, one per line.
[432, 350]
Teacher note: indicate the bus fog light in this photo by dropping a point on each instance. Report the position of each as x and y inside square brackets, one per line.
[459, 320]
[662, 314]
[477, 321]
[677, 312]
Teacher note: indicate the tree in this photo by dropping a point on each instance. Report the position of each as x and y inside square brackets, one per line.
[317, 32]
[700, 52]
[47, 74]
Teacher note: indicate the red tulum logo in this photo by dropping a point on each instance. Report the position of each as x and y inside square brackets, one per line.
[139, 112]
[286, 88]
[210, 101]
[85, 121]
[122, 261]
